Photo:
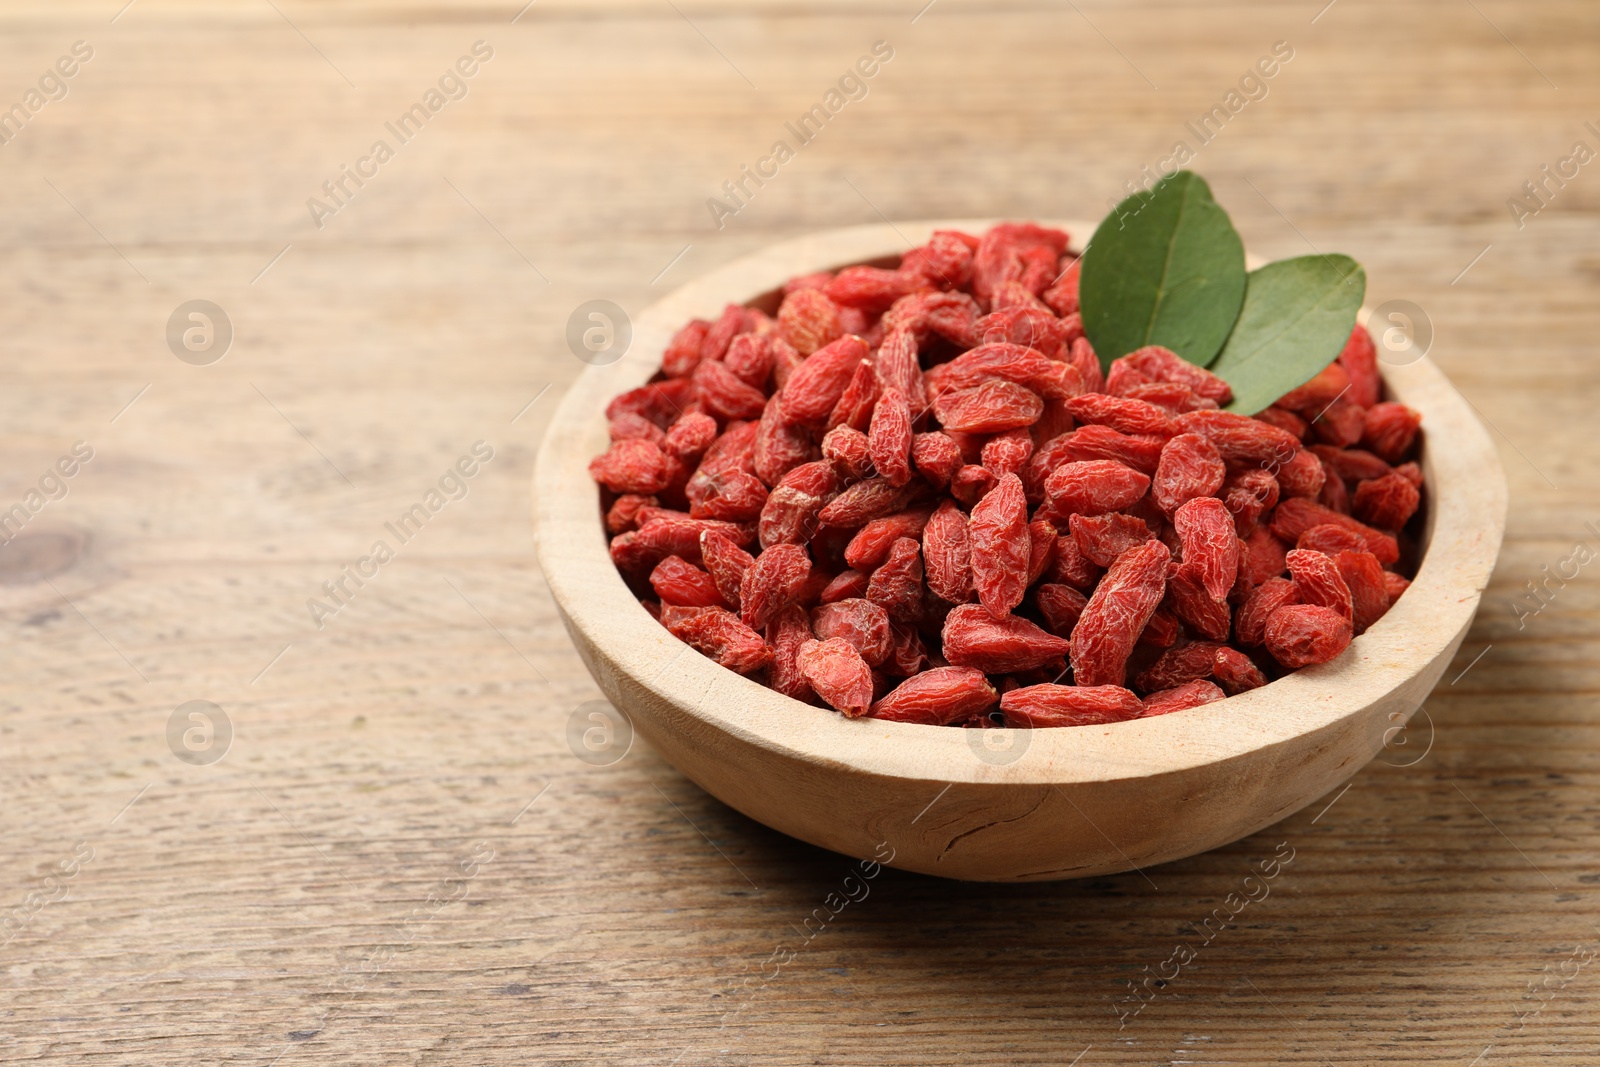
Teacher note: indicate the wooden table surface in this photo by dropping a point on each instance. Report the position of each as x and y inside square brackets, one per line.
[399, 859]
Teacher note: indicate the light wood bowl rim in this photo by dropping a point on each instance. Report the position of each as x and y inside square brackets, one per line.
[1466, 515]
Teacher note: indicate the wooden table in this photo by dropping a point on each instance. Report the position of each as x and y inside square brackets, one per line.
[399, 859]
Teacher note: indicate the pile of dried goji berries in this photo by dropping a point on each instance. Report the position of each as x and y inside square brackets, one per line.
[915, 495]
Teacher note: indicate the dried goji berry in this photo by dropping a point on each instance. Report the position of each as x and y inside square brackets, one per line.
[1179, 664]
[1395, 584]
[718, 634]
[974, 638]
[1061, 606]
[676, 581]
[625, 510]
[1329, 384]
[896, 585]
[937, 697]
[1094, 487]
[1069, 566]
[1294, 517]
[812, 391]
[1181, 698]
[1390, 430]
[872, 288]
[936, 456]
[631, 466]
[890, 437]
[945, 261]
[861, 622]
[1387, 502]
[947, 554]
[1360, 361]
[872, 542]
[1331, 540]
[750, 358]
[972, 483]
[770, 583]
[1236, 672]
[838, 674]
[1121, 414]
[856, 402]
[1190, 467]
[1251, 624]
[791, 513]
[682, 353]
[1102, 538]
[1317, 580]
[1162, 631]
[1142, 452]
[726, 562]
[1369, 596]
[1164, 365]
[988, 408]
[1069, 705]
[897, 368]
[736, 497]
[1302, 474]
[1116, 613]
[1006, 453]
[690, 436]
[808, 320]
[660, 402]
[998, 529]
[1210, 544]
[850, 452]
[864, 501]
[1062, 295]
[846, 584]
[733, 321]
[1300, 635]
[786, 633]
[1239, 438]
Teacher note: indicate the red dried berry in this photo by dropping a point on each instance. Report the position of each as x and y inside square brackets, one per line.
[838, 674]
[772, 582]
[791, 513]
[1191, 601]
[872, 289]
[726, 562]
[1210, 544]
[846, 584]
[972, 483]
[938, 697]
[1190, 467]
[897, 368]
[1069, 705]
[864, 501]
[1300, 635]
[1094, 487]
[1164, 365]
[631, 466]
[1331, 540]
[1302, 474]
[1142, 452]
[1007, 453]
[1351, 464]
[1390, 430]
[808, 320]
[1121, 414]
[786, 633]
[1340, 424]
[1360, 362]
[1239, 438]
[676, 581]
[690, 436]
[1266, 598]
[1116, 613]
[750, 359]
[682, 354]
[1102, 538]
[988, 408]
[871, 544]
[1294, 517]
[850, 452]
[1061, 606]
[998, 529]
[1317, 580]
[1181, 698]
[1387, 502]
[896, 585]
[1285, 420]
[862, 623]
[1330, 384]
[733, 321]
[1162, 631]
[736, 497]
[1236, 672]
[660, 402]
[974, 638]
[1179, 664]
[1062, 295]
[625, 510]
[937, 457]
[1003, 361]
[947, 554]
[813, 390]
[855, 404]
[890, 437]
[1395, 584]
[944, 262]
[1369, 594]
[718, 634]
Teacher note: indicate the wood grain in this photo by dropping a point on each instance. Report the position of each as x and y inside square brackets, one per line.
[276, 904]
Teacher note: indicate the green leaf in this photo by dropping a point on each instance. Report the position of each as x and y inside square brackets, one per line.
[1297, 316]
[1165, 268]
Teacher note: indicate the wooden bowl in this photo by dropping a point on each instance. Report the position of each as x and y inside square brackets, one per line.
[1005, 805]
